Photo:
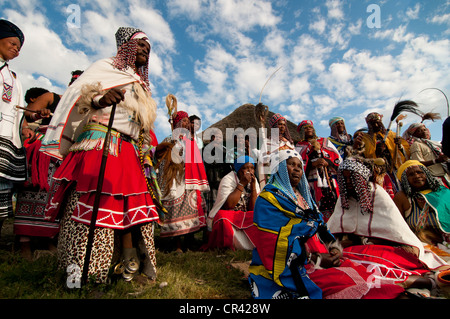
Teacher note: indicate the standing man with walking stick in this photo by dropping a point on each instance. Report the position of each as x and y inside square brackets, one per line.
[111, 98]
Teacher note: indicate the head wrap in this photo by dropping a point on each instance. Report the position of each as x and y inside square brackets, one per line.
[125, 34]
[273, 123]
[406, 165]
[433, 183]
[408, 135]
[334, 120]
[342, 138]
[275, 118]
[301, 129]
[127, 39]
[241, 161]
[9, 29]
[374, 116]
[177, 117]
[280, 177]
[360, 175]
[304, 123]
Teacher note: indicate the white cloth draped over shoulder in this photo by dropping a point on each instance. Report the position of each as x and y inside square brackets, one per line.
[11, 117]
[386, 222]
[67, 122]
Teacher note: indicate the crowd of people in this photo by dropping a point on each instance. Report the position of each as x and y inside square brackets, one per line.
[345, 216]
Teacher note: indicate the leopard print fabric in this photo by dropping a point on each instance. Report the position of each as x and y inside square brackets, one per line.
[73, 240]
[106, 247]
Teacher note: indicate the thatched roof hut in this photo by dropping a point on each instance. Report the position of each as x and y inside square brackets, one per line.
[244, 117]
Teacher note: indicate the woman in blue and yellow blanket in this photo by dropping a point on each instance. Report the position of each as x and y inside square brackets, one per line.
[295, 255]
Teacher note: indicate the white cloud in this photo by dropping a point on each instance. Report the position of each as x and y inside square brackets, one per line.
[440, 19]
[335, 10]
[44, 54]
[323, 105]
[398, 35]
[192, 8]
[413, 13]
[244, 15]
[308, 55]
[318, 25]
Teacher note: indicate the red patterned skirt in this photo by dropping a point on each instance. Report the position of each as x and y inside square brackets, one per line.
[125, 200]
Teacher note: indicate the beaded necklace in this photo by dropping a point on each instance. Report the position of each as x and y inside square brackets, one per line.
[7, 88]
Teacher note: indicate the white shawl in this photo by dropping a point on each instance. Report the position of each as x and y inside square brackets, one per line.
[386, 222]
[67, 122]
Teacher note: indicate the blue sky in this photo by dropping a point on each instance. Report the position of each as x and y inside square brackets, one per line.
[337, 57]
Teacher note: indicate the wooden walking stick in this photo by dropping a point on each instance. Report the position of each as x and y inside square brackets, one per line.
[399, 125]
[101, 176]
[261, 112]
[171, 103]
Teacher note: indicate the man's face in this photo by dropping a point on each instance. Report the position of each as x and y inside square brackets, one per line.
[420, 132]
[142, 53]
[9, 48]
[376, 125]
[340, 126]
[309, 131]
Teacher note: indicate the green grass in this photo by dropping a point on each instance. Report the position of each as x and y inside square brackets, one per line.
[191, 275]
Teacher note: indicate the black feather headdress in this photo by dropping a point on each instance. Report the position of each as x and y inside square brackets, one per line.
[403, 106]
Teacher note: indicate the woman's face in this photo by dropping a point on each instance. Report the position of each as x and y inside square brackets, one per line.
[295, 171]
[9, 48]
[247, 168]
[185, 123]
[281, 126]
[416, 178]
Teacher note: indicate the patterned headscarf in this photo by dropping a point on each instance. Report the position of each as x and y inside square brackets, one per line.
[177, 117]
[409, 133]
[127, 39]
[344, 137]
[334, 120]
[433, 183]
[9, 29]
[374, 116]
[301, 129]
[360, 175]
[273, 123]
[280, 177]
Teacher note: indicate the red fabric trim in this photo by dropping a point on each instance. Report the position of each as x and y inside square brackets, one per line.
[222, 233]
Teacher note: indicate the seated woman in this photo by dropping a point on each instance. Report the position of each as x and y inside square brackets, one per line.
[373, 231]
[295, 255]
[230, 221]
[425, 205]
